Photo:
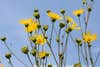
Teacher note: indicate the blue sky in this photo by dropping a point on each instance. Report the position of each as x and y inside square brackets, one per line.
[11, 11]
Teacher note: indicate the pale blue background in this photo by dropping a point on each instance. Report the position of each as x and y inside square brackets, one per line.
[11, 11]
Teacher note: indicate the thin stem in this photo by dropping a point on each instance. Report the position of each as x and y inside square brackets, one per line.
[79, 54]
[29, 59]
[11, 63]
[86, 56]
[65, 49]
[83, 55]
[46, 62]
[80, 25]
[51, 32]
[59, 46]
[15, 55]
[98, 55]
[90, 54]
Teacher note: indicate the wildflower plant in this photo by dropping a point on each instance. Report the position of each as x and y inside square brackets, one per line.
[39, 40]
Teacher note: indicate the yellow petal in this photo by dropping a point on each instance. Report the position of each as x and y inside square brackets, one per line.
[54, 16]
[2, 65]
[78, 12]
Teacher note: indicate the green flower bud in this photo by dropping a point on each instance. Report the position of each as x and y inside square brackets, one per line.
[36, 10]
[3, 39]
[33, 52]
[61, 25]
[89, 9]
[25, 50]
[68, 30]
[49, 65]
[33, 39]
[57, 39]
[36, 15]
[83, 1]
[62, 11]
[47, 54]
[45, 27]
[46, 37]
[79, 42]
[77, 65]
[61, 56]
[39, 26]
[8, 55]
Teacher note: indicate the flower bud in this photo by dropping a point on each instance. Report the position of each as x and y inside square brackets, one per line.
[61, 25]
[8, 55]
[68, 30]
[45, 27]
[62, 11]
[47, 54]
[46, 37]
[25, 50]
[83, 1]
[33, 52]
[57, 39]
[49, 65]
[36, 10]
[3, 39]
[79, 42]
[61, 56]
[36, 15]
[89, 9]
[77, 65]
[39, 26]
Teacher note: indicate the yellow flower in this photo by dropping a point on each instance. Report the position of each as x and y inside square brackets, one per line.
[53, 15]
[77, 65]
[69, 19]
[2, 65]
[26, 21]
[42, 54]
[74, 26]
[78, 12]
[32, 27]
[88, 37]
[40, 39]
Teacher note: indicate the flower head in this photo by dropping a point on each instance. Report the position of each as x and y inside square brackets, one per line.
[26, 21]
[69, 19]
[2, 65]
[88, 37]
[74, 26]
[32, 27]
[39, 39]
[43, 54]
[53, 15]
[78, 12]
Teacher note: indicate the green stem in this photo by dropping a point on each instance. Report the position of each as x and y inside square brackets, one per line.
[51, 32]
[79, 54]
[90, 54]
[15, 55]
[30, 60]
[11, 63]
[65, 49]
[59, 46]
[97, 57]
